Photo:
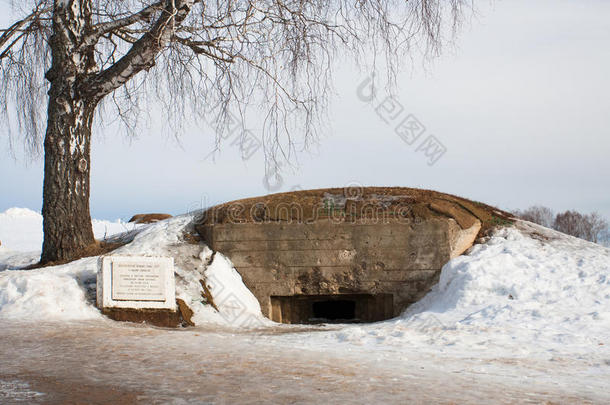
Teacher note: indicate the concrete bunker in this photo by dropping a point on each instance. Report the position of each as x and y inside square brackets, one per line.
[343, 255]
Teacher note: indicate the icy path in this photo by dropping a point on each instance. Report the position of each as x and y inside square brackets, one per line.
[106, 362]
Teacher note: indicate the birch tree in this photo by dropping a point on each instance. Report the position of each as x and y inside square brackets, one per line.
[88, 60]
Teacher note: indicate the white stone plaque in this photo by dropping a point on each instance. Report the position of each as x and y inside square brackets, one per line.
[142, 281]
[136, 282]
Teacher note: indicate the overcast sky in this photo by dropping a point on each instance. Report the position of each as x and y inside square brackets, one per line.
[522, 106]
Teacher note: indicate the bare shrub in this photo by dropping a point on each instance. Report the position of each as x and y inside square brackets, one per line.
[591, 227]
[538, 214]
[597, 227]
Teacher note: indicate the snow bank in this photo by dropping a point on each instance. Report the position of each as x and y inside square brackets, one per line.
[21, 230]
[528, 290]
[54, 293]
[236, 304]
[68, 291]
[232, 304]
[65, 292]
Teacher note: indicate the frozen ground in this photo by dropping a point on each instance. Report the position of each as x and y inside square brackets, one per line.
[103, 362]
[523, 317]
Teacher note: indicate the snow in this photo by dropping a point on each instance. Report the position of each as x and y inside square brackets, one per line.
[528, 305]
[517, 294]
[526, 285]
[51, 293]
[60, 292]
[236, 304]
[21, 229]
[66, 292]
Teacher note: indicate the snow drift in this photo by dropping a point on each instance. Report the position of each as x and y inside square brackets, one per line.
[526, 290]
[67, 292]
[21, 229]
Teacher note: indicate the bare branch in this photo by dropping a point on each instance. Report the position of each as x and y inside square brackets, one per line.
[220, 58]
[23, 62]
[101, 29]
[142, 54]
[206, 48]
[17, 27]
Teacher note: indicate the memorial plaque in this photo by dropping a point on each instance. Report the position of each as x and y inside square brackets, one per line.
[137, 282]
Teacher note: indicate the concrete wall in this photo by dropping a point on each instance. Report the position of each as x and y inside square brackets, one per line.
[399, 260]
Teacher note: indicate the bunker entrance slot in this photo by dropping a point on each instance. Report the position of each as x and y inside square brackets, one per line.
[334, 310]
[339, 308]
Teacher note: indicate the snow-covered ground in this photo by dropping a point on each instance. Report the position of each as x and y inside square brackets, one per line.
[528, 292]
[21, 229]
[21, 235]
[527, 310]
[66, 292]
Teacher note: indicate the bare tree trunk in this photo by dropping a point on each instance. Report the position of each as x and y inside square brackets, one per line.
[65, 206]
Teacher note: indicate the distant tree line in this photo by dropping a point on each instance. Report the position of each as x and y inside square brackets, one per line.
[592, 227]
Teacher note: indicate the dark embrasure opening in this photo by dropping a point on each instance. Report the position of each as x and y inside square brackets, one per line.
[339, 308]
[334, 310]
